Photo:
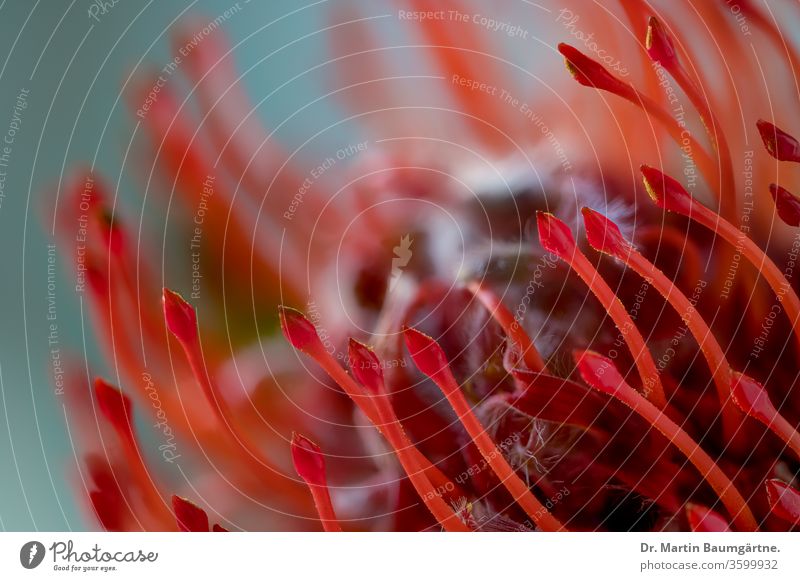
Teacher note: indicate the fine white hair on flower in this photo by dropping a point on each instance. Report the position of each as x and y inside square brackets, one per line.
[587, 193]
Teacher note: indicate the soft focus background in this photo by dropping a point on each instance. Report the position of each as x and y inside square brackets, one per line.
[73, 66]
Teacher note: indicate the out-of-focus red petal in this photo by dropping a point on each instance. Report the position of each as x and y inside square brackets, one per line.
[784, 501]
[560, 400]
[779, 144]
[115, 406]
[787, 204]
[590, 73]
[190, 517]
[180, 316]
[659, 44]
[705, 520]
[108, 510]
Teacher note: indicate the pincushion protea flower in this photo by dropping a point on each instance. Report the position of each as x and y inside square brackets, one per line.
[600, 347]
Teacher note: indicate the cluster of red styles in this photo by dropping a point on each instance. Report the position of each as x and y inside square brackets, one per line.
[631, 363]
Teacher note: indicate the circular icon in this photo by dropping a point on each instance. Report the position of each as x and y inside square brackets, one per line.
[31, 554]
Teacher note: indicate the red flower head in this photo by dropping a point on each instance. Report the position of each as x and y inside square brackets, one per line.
[485, 314]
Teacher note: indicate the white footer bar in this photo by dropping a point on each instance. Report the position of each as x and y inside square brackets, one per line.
[407, 557]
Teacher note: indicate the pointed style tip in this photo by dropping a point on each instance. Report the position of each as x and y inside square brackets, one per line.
[787, 204]
[784, 501]
[426, 353]
[298, 330]
[598, 372]
[751, 397]
[366, 366]
[666, 192]
[190, 517]
[779, 144]
[603, 234]
[555, 236]
[590, 73]
[659, 44]
[704, 520]
[180, 316]
[308, 461]
[115, 406]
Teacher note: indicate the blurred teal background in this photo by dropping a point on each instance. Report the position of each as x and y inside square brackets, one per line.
[72, 67]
